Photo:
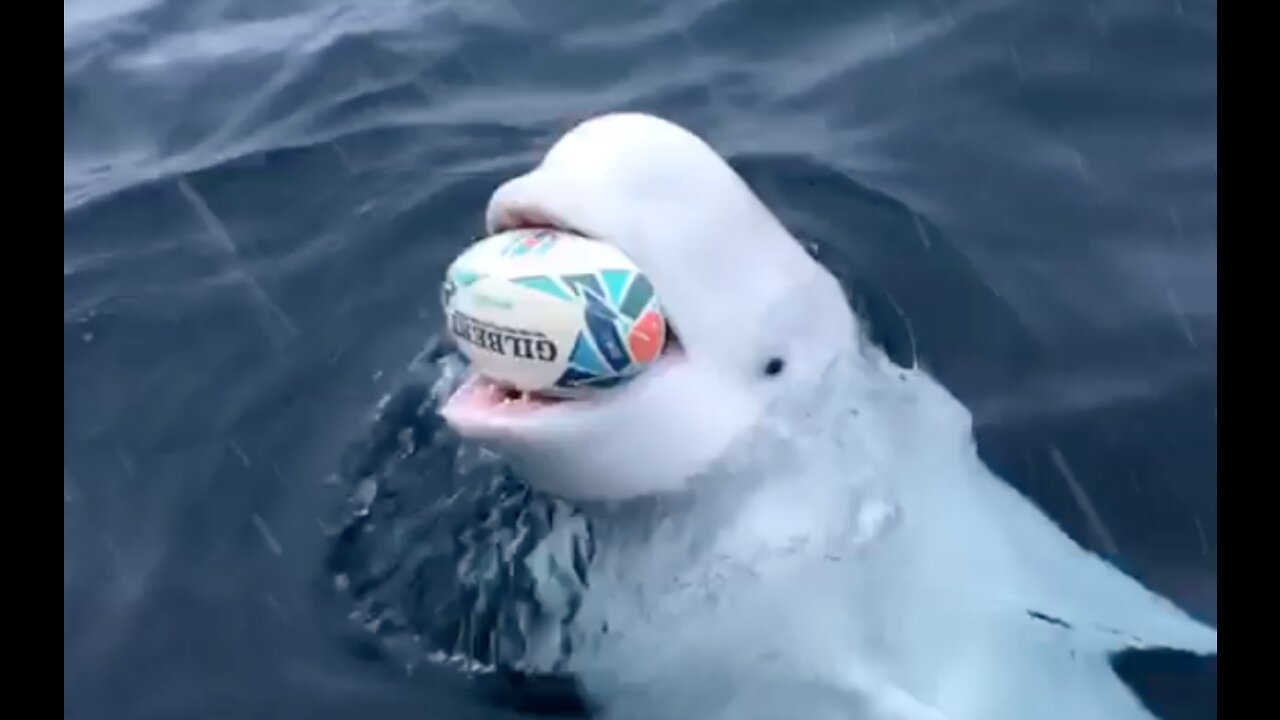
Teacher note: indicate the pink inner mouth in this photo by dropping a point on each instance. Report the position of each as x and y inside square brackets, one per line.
[482, 396]
[480, 401]
[519, 217]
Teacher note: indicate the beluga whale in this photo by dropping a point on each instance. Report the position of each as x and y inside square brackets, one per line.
[787, 523]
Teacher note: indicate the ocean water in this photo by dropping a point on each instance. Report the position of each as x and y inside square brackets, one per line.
[259, 200]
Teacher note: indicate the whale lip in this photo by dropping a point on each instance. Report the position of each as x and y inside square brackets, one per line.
[526, 216]
[482, 406]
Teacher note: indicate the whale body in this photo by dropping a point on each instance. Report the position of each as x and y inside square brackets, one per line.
[789, 524]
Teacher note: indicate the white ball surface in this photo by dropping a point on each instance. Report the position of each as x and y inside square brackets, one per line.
[543, 310]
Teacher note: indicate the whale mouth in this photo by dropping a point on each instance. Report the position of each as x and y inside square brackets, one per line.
[481, 403]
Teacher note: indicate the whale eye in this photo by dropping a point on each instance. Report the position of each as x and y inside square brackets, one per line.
[774, 367]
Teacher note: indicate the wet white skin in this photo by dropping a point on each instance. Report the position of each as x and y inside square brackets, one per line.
[864, 562]
[736, 287]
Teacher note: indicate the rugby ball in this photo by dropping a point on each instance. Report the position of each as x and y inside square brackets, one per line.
[543, 310]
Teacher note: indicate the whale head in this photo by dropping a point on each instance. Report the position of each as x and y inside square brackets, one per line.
[756, 321]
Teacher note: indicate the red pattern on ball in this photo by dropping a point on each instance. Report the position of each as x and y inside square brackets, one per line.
[645, 340]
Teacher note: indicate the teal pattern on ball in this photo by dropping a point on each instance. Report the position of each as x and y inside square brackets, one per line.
[614, 300]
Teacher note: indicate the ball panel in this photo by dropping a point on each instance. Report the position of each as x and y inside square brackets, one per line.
[513, 333]
[615, 283]
[544, 284]
[647, 337]
[604, 333]
[638, 297]
[586, 358]
[548, 311]
[584, 285]
[520, 243]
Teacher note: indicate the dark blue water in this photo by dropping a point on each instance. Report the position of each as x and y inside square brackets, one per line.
[260, 198]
